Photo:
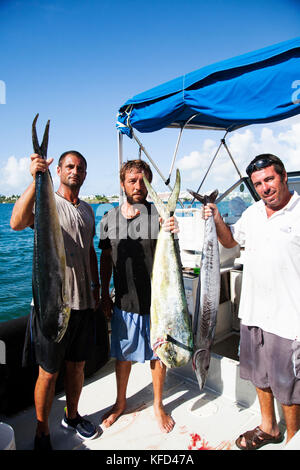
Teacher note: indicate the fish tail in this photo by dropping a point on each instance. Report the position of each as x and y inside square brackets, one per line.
[164, 210]
[160, 206]
[174, 195]
[205, 198]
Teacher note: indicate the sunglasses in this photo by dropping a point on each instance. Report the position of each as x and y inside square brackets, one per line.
[258, 165]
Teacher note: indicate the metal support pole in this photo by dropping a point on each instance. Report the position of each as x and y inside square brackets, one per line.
[120, 152]
[209, 168]
[235, 166]
[148, 156]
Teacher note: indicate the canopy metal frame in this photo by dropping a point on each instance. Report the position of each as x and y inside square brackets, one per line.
[167, 180]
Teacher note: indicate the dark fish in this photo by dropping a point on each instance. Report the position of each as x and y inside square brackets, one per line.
[49, 261]
[207, 297]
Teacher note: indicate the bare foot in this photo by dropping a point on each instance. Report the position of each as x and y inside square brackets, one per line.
[113, 414]
[165, 422]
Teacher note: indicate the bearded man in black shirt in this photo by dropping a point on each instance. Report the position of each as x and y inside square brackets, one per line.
[128, 239]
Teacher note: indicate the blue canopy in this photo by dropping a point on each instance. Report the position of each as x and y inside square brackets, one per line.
[257, 87]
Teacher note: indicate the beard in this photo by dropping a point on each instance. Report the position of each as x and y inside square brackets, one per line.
[135, 199]
[73, 184]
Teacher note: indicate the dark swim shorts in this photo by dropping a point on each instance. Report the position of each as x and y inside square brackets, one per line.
[269, 361]
[75, 346]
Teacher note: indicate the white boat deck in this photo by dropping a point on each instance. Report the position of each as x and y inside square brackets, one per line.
[204, 420]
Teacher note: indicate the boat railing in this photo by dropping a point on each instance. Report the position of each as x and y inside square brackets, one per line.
[191, 236]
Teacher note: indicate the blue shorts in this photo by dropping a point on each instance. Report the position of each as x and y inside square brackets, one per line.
[130, 336]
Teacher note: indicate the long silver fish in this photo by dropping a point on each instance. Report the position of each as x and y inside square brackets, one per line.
[49, 260]
[171, 332]
[208, 295]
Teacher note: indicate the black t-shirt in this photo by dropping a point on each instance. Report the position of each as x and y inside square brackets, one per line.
[133, 244]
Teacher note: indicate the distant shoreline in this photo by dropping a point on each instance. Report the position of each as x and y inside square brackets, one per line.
[11, 200]
[86, 200]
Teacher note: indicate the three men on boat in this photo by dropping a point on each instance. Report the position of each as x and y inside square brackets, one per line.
[269, 309]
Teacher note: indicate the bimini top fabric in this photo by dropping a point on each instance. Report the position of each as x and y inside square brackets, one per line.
[257, 87]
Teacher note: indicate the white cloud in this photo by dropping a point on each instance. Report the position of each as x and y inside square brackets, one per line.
[15, 176]
[281, 139]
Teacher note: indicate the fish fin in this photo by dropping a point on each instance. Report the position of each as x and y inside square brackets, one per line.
[165, 210]
[35, 142]
[172, 201]
[205, 198]
[44, 144]
[159, 204]
[40, 150]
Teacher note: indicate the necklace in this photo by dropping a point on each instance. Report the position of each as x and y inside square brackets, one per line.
[75, 204]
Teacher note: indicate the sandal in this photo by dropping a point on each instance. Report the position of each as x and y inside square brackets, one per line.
[257, 438]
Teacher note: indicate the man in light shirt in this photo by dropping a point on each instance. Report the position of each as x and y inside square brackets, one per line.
[270, 298]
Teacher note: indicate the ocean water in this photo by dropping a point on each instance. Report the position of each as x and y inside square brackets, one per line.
[15, 267]
[16, 249]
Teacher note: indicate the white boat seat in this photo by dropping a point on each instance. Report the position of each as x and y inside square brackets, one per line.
[191, 236]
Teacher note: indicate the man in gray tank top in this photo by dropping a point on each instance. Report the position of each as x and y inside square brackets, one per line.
[82, 283]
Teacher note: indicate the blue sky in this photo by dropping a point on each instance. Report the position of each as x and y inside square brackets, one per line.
[76, 62]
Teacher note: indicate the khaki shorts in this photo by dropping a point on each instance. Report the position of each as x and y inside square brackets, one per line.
[269, 361]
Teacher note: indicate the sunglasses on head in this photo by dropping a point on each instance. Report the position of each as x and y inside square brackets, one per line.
[259, 165]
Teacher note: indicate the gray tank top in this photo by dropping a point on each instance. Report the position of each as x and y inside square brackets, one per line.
[78, 229]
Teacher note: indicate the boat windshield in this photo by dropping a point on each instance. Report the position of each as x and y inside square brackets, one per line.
[236, 199]
[233, 204]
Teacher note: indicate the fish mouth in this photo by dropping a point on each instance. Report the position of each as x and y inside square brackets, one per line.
[200, 362]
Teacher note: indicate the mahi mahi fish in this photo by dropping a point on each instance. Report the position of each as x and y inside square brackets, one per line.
[49, 259]
[207, 297]
[171, 332]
